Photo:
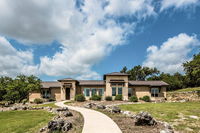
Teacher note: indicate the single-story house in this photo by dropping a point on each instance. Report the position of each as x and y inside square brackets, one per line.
[112, 84]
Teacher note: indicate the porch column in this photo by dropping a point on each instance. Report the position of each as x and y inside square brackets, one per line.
[63, 93]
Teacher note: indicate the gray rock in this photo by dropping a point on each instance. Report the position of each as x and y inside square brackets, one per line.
[101, 107]
[166, 131]
[67, 126]
[43, 129]
[62, 109]
[89, 105]
[144, 118]
[67, 114]
[115, 109]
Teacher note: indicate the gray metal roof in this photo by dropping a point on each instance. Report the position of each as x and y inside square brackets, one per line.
[49, 84]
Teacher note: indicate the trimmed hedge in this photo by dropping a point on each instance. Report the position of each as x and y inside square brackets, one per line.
[119, 97]
[95, 98]
[145, 98]
[80, 98]
[38, 101]
[108, 98]
[133, 99]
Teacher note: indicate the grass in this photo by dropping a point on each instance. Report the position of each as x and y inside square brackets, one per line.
[186, 90]
[52, 105]
[23, 121]
[173, 113]
[69, 102]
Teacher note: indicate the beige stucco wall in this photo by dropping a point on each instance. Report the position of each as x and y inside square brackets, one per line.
[72, 90]
[124, 89]
[34, 95]
[141, 91]
[56, 94]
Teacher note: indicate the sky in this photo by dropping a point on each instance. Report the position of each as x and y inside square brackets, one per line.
[84, 39]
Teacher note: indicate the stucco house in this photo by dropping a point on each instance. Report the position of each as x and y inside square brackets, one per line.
[112, 84]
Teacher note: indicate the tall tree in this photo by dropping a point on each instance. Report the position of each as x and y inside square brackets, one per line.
[124, 70]
[192, 69]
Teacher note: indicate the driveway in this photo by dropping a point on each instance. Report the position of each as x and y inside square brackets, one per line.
[94, 121]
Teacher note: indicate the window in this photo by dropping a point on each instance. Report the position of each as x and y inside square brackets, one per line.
[154, 92]
[87, 92]
[119, 90]
[101, 91]
[46, 94]
[94, 91]
[113, 91]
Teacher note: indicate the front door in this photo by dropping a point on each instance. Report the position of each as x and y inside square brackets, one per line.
[67, 93]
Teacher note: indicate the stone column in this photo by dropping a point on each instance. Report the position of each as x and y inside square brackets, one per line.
[63, 93]
[125, 91]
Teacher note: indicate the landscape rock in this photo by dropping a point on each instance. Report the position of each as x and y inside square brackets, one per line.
[101, 107]
[144, 118]
[194, 117]
[43, 129]
[67, 126]
[89, 105]
[67, 114]
[115, 109]
[62, 109]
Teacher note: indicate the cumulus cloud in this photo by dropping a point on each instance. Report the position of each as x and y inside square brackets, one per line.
[15, 62]
[86, 33]
[172, 53]
[165, 4]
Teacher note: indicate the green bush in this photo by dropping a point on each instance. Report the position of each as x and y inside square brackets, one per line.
[95, 98]
[145, 98]
[133, 99]
[38, 101]
[51, 100]
[108, 98]
[24, 101]
[80, 98]
[119, 97]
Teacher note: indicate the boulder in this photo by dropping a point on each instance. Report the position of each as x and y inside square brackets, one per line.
[67, 126]
[43, 129]
[143, 119]
[67, 113]
[101, 107]
[53, 125]
[62, 109]
[89, 105]
[115, 109]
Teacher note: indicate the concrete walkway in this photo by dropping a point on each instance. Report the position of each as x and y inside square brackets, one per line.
[94, 121]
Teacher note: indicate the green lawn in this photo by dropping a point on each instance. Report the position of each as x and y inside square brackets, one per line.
[173, 113]
[186, 89]
[23, 121]
[52, 105]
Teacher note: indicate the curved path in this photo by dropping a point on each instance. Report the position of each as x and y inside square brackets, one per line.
[94, 121]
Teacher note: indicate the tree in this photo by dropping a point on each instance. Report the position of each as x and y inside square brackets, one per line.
[124, 70]
[4, 81]
[20, 87]
[141, 73]
[192, 69]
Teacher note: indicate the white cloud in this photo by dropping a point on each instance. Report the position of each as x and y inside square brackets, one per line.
[165, 4]
[138, 8]
[15, 62]
[172, 53]
[86, 33]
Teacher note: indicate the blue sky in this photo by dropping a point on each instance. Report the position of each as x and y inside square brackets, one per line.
[56, 39]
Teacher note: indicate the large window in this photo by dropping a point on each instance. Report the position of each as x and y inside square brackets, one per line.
[119, 90]
[87, 92]
[101, 91]
[113, 91]
[154, 92]
[94, 91]
[46, 93]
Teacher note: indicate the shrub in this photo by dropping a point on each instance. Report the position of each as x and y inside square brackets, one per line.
[108, 98]
[119, 97]
[145, 98]
[38, 101]
[24, 101]
[95, 98]
[133, 99]
[80, 98]
[51, 100]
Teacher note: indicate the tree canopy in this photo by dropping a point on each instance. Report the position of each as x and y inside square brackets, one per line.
[17, 89]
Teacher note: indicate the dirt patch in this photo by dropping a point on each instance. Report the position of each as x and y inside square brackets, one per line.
[126, 124]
